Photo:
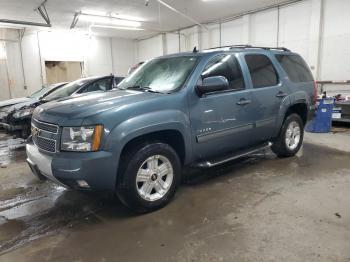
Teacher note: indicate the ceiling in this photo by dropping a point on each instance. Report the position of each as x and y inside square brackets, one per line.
[155, 17]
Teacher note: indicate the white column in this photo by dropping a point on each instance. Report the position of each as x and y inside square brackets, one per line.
[246, 29]
[315, 41]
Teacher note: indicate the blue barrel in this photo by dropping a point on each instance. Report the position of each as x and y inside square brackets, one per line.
[322, 123]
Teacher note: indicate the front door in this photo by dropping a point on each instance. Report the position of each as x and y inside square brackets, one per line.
[222, 121]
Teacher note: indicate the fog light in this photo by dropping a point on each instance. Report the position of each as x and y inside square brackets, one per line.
[83, 183]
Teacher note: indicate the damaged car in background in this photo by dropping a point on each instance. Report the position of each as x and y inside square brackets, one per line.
[10, 106]
[18, 120]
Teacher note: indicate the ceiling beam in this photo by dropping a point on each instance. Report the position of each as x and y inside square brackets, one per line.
[42, 10]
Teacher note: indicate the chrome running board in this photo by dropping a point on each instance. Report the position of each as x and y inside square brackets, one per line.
[218, 161]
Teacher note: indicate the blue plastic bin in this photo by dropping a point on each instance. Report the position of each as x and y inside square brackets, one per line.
[322, 123]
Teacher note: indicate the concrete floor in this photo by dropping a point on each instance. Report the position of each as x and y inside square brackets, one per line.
[258, 208]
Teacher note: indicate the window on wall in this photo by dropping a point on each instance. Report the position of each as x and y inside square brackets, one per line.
[296, 68]
[226, 66]
[262, 72]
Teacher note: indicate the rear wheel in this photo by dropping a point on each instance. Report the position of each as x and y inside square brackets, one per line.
[149, 177]
[290, 138]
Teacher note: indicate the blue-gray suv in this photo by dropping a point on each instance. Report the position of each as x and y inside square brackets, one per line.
[197, 109]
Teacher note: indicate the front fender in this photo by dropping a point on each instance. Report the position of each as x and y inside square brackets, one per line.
[148, 123]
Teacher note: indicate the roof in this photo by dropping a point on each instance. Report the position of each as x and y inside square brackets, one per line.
[233, 48]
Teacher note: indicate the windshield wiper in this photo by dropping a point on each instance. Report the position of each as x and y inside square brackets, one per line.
[144, 88]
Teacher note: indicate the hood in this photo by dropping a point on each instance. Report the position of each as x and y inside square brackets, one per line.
[83, 106]
[13, 101]
[28, 103]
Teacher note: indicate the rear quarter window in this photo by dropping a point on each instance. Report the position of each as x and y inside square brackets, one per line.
[296, 68]
[262, 71]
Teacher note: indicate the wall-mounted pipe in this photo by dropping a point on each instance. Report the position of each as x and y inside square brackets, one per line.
[21, 34]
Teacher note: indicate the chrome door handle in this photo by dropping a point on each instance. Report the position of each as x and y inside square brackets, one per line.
[281, 94]
[243, 102]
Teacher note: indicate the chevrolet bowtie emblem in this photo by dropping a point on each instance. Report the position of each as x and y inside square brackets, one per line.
[35, 131]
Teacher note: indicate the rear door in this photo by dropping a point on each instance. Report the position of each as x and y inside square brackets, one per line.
[268, 93]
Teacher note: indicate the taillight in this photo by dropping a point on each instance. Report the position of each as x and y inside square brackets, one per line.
[315, 92]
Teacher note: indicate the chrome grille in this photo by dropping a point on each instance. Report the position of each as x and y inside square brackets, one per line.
[45, 135]
[45, 126]
[45, 144]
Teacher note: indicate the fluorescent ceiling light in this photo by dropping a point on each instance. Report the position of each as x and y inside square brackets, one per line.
[100, 18]
[94, 12]
[127, 17]
[117, 27]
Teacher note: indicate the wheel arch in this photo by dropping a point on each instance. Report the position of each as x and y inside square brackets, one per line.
[299, 108]
[172, 137]
[171, 126]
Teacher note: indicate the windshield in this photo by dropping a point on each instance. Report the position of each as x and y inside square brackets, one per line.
[67, 90]
[39, 93]
[43, 91]
[161, 74]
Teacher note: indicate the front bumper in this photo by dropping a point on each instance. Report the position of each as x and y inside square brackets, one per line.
[97, 170]
[11, 128]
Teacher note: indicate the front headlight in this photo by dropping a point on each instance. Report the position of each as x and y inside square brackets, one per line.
[81, 139]
[3, 115]
[23, 112]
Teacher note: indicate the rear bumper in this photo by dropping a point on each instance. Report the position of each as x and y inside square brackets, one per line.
[96, 171]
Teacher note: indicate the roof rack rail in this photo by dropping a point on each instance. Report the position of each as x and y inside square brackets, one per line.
[250, 47]
[230, 46]
[266, 48]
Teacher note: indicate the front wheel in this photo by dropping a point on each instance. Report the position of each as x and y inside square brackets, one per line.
[149, 177]
[290, 138]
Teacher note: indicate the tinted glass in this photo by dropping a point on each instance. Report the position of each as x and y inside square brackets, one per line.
[295, 67]
[161, 74]
[66, 90]
[226, 66]
[46, 90]
[100, 85]
[262, 72]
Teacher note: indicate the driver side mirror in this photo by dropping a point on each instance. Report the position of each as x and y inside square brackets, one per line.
[212, 84]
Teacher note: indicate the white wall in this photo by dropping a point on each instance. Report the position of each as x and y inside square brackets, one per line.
[99, 56]
[300, 29]
[262, 28]
[210, 37]
[150, 48]
[124, 51]
[14, 66]
[296, 26]
[336, 41]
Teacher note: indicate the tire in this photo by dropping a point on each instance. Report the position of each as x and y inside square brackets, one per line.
[281, 147]
[139, 184]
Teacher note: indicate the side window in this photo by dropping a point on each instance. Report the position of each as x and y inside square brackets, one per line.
[296, 68]
[262, 72]
[100, 85]
[227, 66]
